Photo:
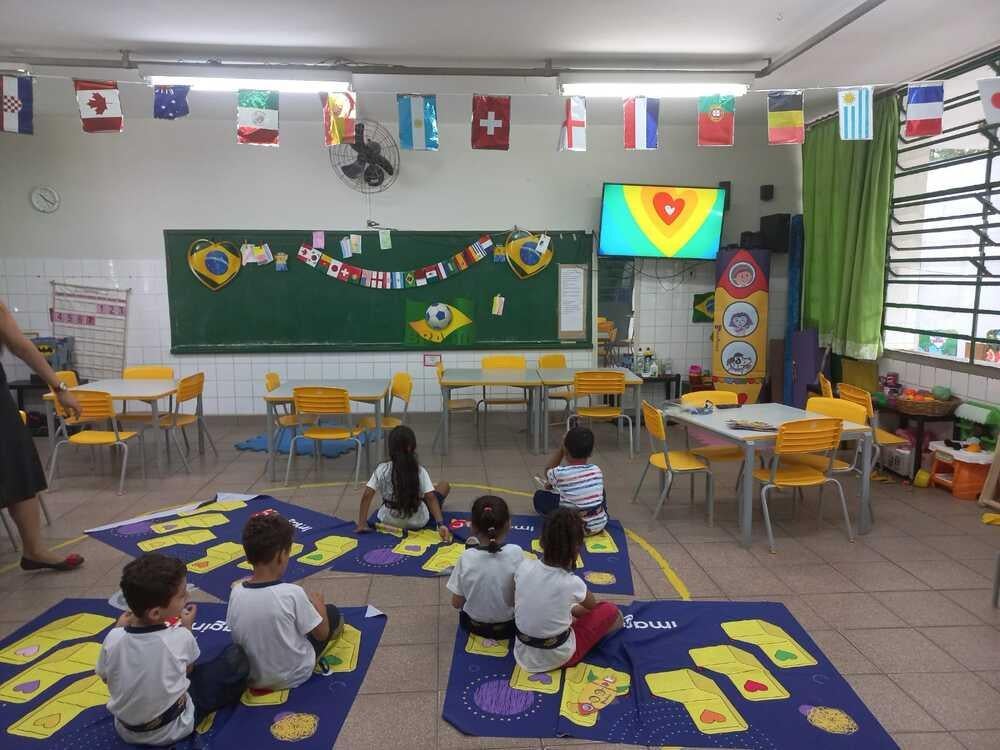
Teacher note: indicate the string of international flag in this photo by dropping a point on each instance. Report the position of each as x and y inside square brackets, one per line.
[257, 115]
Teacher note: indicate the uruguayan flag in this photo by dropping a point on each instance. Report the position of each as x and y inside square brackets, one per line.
[855, 107]
[418, 128]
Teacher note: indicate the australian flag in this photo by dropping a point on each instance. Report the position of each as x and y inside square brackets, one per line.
[170, 102]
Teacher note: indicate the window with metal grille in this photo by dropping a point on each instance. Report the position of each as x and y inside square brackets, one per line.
[943, 248]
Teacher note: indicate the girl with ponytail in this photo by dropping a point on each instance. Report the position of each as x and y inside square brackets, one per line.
[482, 583]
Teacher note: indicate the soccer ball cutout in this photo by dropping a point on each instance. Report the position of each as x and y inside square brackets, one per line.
[438, 316]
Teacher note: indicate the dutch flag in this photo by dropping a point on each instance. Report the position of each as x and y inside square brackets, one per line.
[16, 99]
[418, 129]
[641, 119]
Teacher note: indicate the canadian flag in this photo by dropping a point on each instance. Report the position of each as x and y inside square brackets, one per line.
[100, 107]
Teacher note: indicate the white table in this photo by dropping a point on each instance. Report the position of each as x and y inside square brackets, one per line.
[365, 390]
[775, 414]
[149, 391]
[468, 377]
[561, 377]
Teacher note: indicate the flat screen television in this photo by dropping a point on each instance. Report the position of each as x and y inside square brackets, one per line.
[661, 221]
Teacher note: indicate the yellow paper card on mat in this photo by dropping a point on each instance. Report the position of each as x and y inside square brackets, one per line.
[263, 697]
[218, 505]
[601, 543]
[783, 650]
[486, 646]
[296, 549]
[589, 689]
[536, 682]
[706, 704]
[181, 538]
[200, 521]
[61, 709]
[328, 549]
[341, 655]
[205, 724]
[216, 556]
[444, 558]
[32, 682]
[47, 637]
[384, 528]
[416, 543]
[748, 675]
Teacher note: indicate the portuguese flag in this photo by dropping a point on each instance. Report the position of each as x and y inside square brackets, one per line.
[716, 120]
[785, 118]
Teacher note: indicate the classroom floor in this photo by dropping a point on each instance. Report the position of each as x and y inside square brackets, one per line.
[903, 613]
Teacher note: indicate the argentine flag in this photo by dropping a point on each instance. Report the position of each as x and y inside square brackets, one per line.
[418, 129]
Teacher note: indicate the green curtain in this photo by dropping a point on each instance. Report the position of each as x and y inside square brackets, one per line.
[846, 197]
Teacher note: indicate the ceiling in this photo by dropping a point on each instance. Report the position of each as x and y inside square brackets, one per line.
[897, 41]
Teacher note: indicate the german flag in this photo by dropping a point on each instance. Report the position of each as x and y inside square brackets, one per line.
[785, 118]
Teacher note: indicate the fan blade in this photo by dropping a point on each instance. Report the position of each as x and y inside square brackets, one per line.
[374, 176]
[377, 158]
[355, 170]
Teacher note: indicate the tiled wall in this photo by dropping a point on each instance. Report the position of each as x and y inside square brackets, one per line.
[962, 384]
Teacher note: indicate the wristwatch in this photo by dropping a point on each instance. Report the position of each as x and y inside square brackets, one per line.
[62, 386]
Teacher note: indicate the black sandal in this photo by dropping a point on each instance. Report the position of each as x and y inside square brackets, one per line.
[72, 562]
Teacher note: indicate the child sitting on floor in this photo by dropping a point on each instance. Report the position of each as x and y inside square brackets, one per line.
[557, 619]
[409, 498]
[482, 583]
[574, 482]
[283, 630]
[157, 694]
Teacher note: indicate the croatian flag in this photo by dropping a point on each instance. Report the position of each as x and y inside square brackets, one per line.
[418, 130]
[641, 118]
[924, 108]
[16, 112]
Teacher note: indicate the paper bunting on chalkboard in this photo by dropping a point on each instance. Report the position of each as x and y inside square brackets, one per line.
[339, 270]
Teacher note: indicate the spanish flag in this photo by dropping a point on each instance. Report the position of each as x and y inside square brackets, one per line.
[340, 112]
[785, 118]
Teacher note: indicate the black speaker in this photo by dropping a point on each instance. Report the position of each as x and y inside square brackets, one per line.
[767, 192]
[726, 185]
[774, 232]
[751, 240]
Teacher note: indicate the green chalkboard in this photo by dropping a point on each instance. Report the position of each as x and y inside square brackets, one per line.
[303, 309]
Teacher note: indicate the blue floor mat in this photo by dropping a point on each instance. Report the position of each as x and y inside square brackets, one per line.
[304, 447]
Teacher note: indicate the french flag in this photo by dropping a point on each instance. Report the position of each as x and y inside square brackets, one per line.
[924, 108]
[641, 118]
[16, 99]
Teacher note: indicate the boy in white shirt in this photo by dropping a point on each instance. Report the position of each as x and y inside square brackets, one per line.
[157, 694]
[283, 630]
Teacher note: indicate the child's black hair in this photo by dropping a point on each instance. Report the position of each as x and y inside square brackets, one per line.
[265, 536]
[579, 442]
[405, 471]
[490, 518]
[151, 581]
[562, 537]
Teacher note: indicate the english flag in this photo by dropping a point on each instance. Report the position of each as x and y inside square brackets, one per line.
[642, 117]
[491, 122]
[100, 107]
[989, 93]
[574, 128]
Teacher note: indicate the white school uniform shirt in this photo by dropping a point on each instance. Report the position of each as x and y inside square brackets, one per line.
[486, 580]
[145, 669]
[543, 599]
[381, 482]
[270, 621]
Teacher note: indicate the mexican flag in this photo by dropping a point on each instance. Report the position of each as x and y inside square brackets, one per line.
[716, 120]
[257, 117]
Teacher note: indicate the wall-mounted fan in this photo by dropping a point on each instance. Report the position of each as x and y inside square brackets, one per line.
[371, 163]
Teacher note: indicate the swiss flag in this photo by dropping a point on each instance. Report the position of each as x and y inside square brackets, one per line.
[491, 122]
[100, 107]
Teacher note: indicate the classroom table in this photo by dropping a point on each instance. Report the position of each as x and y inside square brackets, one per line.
[149, 391]
[776, 415]
[365, 390]
[468, 377]
[562, 377]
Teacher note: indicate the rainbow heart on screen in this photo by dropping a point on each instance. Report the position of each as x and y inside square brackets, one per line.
[667, 207]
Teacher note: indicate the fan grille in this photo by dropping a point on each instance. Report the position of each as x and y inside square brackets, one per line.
[342, 155]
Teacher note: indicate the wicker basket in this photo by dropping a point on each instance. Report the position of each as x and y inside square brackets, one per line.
[933, 408]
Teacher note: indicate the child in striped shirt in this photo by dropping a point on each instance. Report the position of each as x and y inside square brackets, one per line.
[574, 482]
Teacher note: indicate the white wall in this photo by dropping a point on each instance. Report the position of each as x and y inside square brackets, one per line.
[120, 191]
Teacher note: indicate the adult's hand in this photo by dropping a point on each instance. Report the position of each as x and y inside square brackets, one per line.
[69, 402]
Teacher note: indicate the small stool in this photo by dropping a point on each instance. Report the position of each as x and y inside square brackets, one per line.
[961, 472]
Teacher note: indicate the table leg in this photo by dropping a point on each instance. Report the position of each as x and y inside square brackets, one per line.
[865, 519]
[544, 426]
[154, 406]
[271, 447]
[918, 449]
[637, 419]
[50, 424]
[746, 499]
[378, 436]
[446, 419]
[538, 419]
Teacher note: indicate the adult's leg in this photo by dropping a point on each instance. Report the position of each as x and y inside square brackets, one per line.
[27, 517]
[220, 682]
[545, 502]
[602, 620]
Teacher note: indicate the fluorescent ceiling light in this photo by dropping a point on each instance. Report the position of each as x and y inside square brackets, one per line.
[286, 86]
[659, 90]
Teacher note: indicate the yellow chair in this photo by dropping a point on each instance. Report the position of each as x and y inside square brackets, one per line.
[825, 389]
[672, 462]
[713, 452]
[454, 405]
[96, 406]
[837, 408]
[557, 362]
[795, 440]
[319, 402]
[600, 383]
[65, 420]
[502, 362]
[144, 372]
[880, 437]
[402, 388]
[286, 420]
[188, 389]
